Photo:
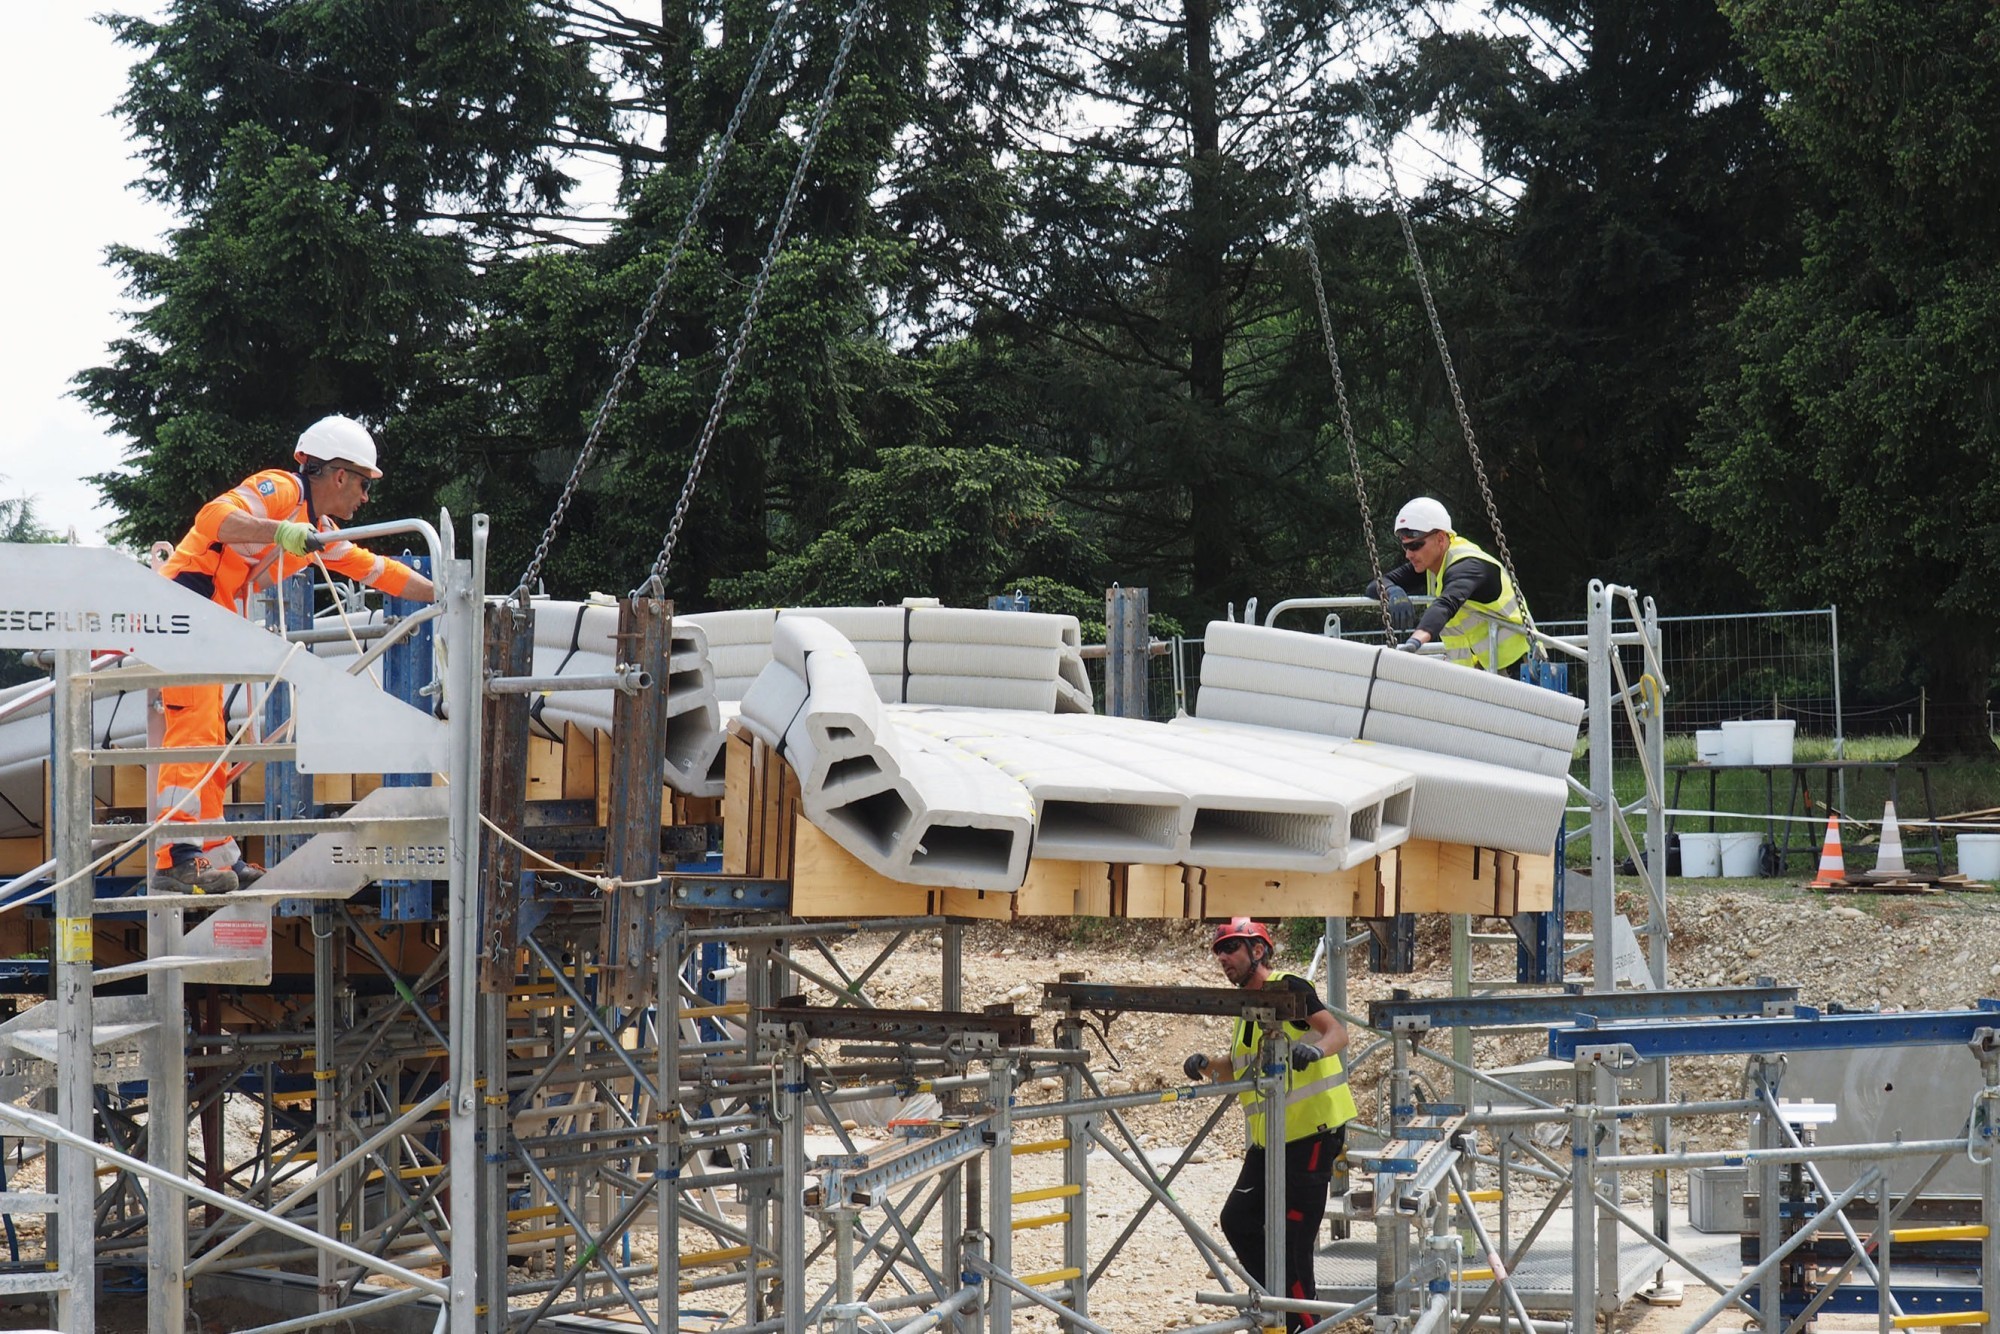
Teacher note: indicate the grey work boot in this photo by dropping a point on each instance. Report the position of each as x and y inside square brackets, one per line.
[192, 875]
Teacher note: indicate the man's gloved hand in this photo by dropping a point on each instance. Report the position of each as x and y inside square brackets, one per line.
[1402, 611]
[1304, 1054]
[296, 539]
[1411, 645]
[1195, 1066]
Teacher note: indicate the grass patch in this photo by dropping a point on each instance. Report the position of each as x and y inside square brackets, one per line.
[1741, 798]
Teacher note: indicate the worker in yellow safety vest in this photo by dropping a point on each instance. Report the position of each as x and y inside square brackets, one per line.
[1462, 581]
[271, 525]
[1318, 1106]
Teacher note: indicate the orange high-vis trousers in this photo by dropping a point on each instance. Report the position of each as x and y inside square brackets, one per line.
[194, 718]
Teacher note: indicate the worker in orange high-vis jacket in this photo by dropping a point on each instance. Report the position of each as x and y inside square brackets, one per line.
[1318, 1106]
[270, 526]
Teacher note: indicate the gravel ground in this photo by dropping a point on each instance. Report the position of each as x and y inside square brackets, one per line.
[1929, 952]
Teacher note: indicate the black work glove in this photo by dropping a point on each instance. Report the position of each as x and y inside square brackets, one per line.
[1304, 1054]
[1402, 611]
[1195, 1066]
[1411, 645]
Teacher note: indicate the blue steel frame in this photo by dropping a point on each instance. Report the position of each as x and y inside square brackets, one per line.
[1807, 1030]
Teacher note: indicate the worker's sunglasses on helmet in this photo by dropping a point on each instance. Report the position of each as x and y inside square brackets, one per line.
[1230, 946]
[1411, 541]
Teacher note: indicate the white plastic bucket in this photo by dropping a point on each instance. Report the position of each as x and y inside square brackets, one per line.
[1701, 855]
[1739, 853]
[1737, 742]
[1978, 856]
[1708, 745]
[1771, 740]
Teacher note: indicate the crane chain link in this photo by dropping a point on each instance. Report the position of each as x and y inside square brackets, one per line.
[1340, 391]
[1402, 211]
[631, 357]
[779, 229]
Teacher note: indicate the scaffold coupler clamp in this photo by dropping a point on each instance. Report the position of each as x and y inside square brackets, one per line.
[1610, 1056]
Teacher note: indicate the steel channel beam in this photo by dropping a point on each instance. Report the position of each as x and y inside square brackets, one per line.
[1214, 1002]
[841, 1021]
[1566, 1007]
[1807, 1030]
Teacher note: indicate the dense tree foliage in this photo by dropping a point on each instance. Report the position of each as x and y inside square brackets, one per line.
[1719, 290]
[1850, 456]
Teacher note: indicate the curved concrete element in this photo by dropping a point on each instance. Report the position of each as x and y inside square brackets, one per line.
[1283, 678]
[916, 811]
[577, 639]
[940, 796]
[956, 656]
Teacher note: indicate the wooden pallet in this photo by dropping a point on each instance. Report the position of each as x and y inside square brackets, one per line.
[1914, 882]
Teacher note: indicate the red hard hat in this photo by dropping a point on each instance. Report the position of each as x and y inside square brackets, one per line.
[1241, 928]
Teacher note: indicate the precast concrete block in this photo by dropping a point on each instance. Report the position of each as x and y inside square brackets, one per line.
[751, 625]
[983, 692]
[1085, 808]
[1376, 800]
[1221, 704]
[1452, 800]
[1440, 706]
[1293, 647]
[973, 625]
[1431, 672]
[1464, 742]
[1288, 680]
[1469, 801]
[773, 703]
[1018, 661]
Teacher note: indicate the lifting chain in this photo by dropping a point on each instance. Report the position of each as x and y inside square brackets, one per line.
[851, 26]
[667, 271]
[1339, 387]
[1402, 211]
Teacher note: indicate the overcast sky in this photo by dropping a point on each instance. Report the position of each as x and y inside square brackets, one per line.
[67, 162]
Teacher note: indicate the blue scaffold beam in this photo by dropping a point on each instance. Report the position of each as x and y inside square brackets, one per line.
[1859, 1300]
[1807, 1030]
[1568, 1006]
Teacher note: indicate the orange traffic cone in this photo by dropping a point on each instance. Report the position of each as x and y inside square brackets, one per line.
[1832, 866]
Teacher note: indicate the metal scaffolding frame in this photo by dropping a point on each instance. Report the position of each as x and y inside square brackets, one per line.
[504, 1100]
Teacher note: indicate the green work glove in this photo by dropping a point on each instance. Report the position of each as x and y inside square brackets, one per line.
[296, 539]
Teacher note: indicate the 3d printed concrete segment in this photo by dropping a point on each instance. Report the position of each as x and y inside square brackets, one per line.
[1453, 800]
[924, 654]
[917, 812]
[1402, 699]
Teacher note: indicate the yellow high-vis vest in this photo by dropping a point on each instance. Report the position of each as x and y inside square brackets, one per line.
[1467, 638]
[1316, 1098]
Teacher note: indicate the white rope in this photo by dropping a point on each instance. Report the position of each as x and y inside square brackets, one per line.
[606, 883]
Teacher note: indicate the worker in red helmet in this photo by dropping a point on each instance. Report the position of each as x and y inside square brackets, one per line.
[271, 525]
[1318, 1106]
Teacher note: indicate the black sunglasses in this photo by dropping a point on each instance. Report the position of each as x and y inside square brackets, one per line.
[1230, 946]
[1412, 543]
[367, 482]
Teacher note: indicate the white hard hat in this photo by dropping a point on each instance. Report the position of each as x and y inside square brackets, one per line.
[1423, 515]
[339, 439]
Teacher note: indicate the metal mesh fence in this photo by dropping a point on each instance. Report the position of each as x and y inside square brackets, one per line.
[1779, 664]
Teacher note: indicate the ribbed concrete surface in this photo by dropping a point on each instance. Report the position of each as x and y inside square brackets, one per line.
[1488, 755]
[1372, 693]
[915, 810]
[960, 656]
[940, 796]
